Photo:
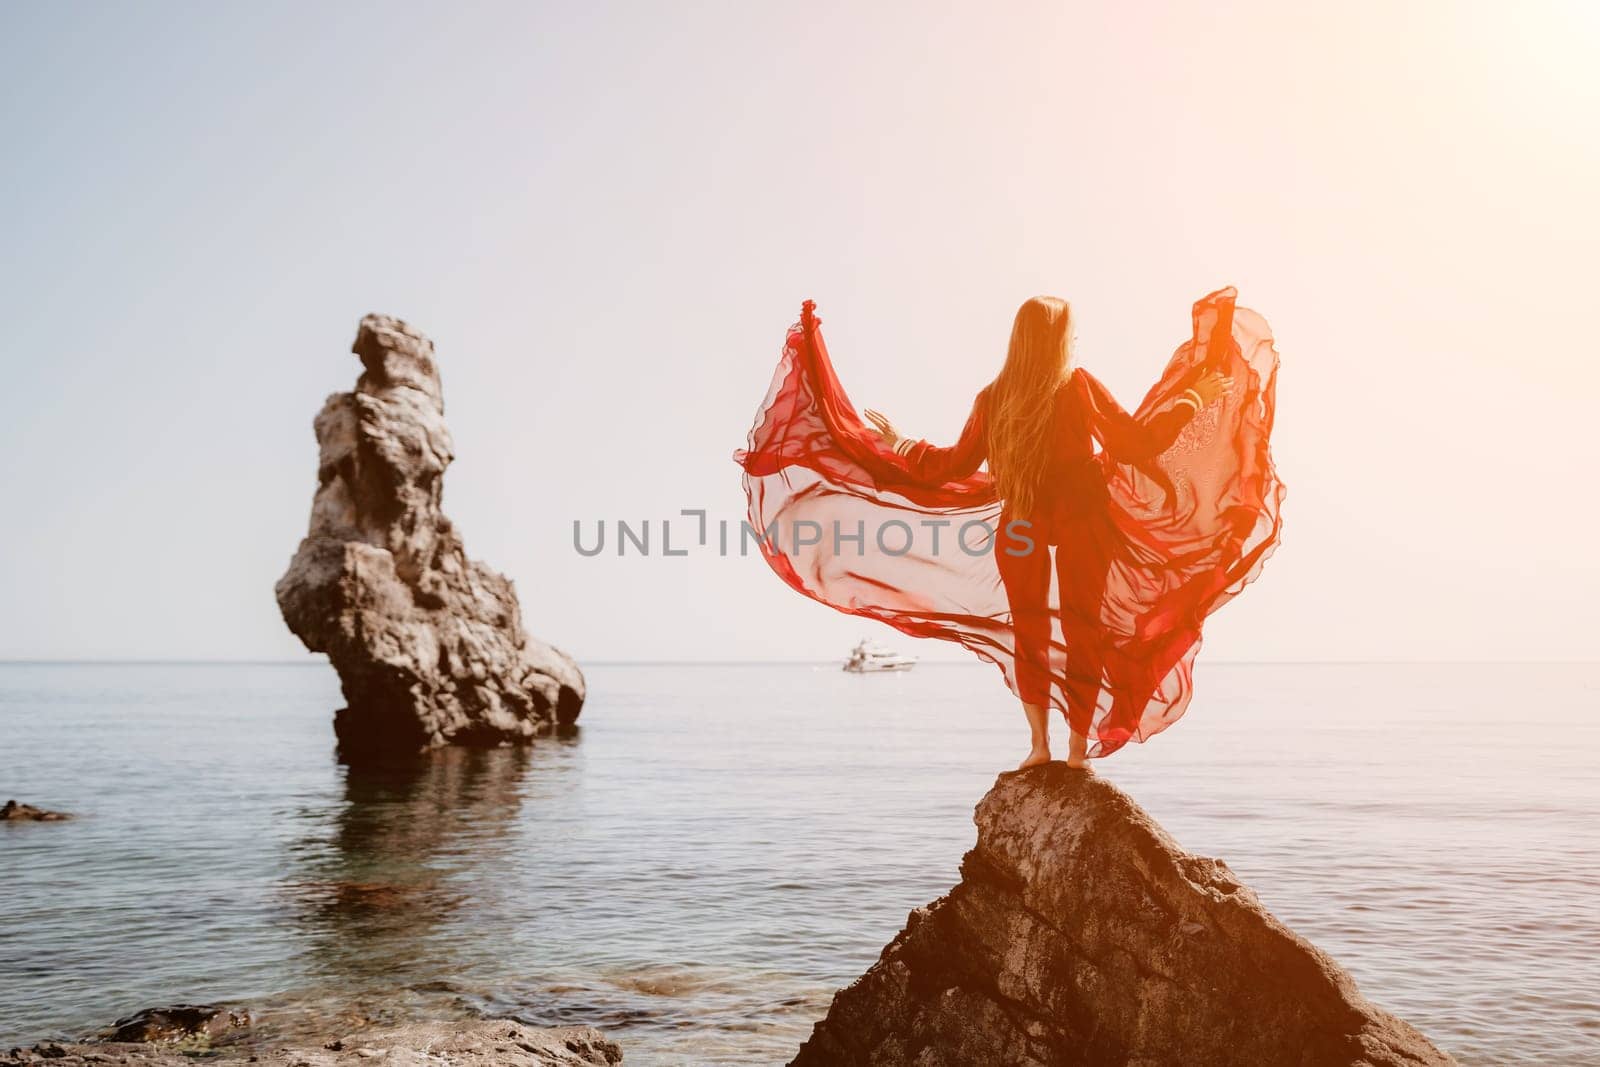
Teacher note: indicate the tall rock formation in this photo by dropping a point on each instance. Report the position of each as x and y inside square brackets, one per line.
[428, 644]
[1081, 934]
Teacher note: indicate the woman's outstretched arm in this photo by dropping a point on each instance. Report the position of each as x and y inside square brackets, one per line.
[1130, 440]
[930, 464]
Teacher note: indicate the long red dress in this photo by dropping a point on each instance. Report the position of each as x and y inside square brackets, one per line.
[1167, 521]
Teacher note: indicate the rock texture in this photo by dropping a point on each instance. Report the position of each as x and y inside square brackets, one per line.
[1081, 934]
[15, 812]
[492, 1041]
[177, 1023]
[428, 644]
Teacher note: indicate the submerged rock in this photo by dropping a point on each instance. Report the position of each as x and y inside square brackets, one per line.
[428, 644]
[486, 1041]
[15, 812]
[177, 1023]
[1081, 934]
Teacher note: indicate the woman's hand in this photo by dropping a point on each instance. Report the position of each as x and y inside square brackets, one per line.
[886, 431]
[1211, 386]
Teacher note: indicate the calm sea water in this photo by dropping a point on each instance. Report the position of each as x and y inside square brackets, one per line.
[723, 846]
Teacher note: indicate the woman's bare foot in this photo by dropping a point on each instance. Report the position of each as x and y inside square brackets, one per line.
[1038, 735]
[1036, 756]
[1078, 753]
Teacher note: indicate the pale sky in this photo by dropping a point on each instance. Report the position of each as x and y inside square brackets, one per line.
[607, 215]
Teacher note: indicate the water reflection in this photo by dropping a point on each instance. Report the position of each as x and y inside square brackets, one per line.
[379, 882]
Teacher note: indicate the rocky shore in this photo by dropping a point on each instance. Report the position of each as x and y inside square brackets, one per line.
[428, 644]
[481, 1042]
[1081, 934]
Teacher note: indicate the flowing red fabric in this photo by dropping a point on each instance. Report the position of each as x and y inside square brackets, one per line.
[846, 521]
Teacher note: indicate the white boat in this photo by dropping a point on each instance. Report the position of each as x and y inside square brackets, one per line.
[868, 657]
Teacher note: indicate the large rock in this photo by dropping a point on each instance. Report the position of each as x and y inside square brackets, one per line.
[428, 644]
[477, 1043]
[1081, 934]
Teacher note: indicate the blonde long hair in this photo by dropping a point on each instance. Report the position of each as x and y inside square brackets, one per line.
[1021, 398]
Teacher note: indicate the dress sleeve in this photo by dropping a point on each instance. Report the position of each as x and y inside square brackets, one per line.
[1130, 440]
[932, 465]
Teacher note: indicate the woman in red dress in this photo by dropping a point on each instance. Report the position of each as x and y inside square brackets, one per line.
[1168, 518]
